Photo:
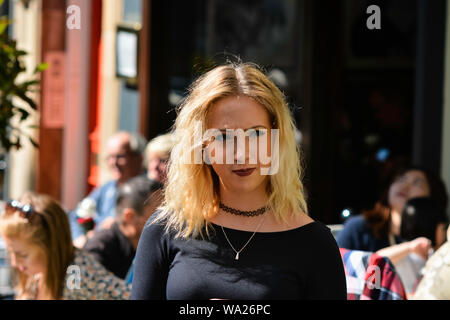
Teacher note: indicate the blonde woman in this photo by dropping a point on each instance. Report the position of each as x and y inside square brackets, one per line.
[46, 265]
[230, 227]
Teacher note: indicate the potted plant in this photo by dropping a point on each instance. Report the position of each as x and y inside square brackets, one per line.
[11, 67]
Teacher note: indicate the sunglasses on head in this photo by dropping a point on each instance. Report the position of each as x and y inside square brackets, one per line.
[25, 210]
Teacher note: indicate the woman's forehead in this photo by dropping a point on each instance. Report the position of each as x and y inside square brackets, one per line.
[237, 112]
[415, 174]
[411, 176]
[16, 244]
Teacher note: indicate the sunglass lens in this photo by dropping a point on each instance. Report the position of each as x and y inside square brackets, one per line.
[11, 206]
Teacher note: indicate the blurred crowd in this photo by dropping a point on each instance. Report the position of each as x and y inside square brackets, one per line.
[409, 227]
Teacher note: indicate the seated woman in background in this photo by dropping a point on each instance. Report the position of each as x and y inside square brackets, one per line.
[380, 227]
[422, 219]
[46, 264]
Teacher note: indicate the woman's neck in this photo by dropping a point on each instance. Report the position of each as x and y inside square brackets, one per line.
[246, 201]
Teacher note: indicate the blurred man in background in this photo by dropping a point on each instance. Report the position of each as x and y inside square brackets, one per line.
[125, 161]
[115, 247]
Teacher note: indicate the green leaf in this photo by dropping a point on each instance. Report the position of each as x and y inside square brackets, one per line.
[34, 143]
[24, 113]
[4, 22]
[11, 66]
[41, 67]
[20, 53]
[3, 26]
[28, 100]
[30, 83]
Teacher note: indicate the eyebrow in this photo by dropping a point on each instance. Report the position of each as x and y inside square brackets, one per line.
[254, 127]
[19, 253]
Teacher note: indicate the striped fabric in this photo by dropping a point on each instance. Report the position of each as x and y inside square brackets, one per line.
[371, 277]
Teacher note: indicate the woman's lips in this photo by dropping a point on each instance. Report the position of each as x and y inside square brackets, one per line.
[244, 172]
[402, 194]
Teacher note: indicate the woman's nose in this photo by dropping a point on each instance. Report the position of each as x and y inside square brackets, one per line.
[240, 156]
[241, 151]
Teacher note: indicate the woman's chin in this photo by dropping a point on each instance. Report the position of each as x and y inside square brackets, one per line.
[246, 185]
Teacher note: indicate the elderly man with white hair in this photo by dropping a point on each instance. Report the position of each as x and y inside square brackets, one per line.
[125, 161]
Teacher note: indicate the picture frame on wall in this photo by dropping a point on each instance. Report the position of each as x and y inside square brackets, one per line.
[127, 53]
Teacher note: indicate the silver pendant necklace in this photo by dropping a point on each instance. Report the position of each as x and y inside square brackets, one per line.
[248, 241]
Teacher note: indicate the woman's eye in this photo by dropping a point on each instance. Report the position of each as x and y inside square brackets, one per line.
[257, 133]
[223, 137]
[21, 256]
[418, 183]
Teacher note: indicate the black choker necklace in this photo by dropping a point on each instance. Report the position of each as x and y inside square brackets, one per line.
[243, 213]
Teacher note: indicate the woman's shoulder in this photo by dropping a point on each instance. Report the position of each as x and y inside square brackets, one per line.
[293, 222]
[84, 263]
[318, 237]
[156, 232]
[86, 278]
[156, 225]
[319, 231]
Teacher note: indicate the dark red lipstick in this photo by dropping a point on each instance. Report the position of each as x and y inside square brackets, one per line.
[244, 172]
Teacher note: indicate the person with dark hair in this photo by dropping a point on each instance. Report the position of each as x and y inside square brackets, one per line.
[115, 247]
[380, 227]
[423, 217]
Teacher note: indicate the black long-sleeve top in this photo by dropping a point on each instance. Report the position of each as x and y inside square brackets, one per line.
[302, 263]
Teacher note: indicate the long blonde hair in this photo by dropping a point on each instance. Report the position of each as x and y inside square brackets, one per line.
[49, 230]
[191, 193]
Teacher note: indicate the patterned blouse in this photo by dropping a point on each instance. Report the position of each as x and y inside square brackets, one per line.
[435, 284]
[87, 279]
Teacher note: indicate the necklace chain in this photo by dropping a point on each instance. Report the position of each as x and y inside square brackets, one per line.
[248, 241]
[238, 212]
